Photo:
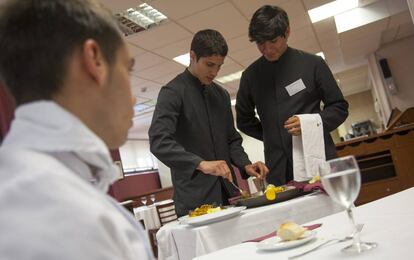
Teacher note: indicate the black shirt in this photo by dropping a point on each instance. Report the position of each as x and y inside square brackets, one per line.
[191, 123]
[263, 87]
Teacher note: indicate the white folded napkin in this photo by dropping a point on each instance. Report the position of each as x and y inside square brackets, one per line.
[308, 149]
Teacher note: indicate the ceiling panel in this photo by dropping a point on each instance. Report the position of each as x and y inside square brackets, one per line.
[233, 25]
[249, 53]
[310, 4]
[311, 45]
[301, 34]
[120, 5]
[134, 50]
[160, 70]
[239, 43]
[175, 49]
[247, 8]
[147, 60]
[400, 19]
[405, 30]
[159, 36]
[177, 9]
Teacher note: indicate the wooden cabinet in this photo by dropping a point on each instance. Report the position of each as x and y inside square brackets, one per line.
[386, 162]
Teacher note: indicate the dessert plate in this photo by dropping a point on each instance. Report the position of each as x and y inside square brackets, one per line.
[276, 243]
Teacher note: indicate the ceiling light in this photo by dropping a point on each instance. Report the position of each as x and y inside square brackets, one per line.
[233, 102]
[361, 16]
[139, 18]
[230, 77]
[321, 54]
[183, 59]
[331, 9]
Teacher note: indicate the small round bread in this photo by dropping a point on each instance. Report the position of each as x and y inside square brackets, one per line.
[290, 231]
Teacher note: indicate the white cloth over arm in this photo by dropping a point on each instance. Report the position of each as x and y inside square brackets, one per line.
[308, 149]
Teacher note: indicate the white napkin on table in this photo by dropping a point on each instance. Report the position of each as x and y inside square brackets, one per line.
[308, 149]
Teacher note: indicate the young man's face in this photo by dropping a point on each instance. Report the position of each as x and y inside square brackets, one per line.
[273, 49]
[120, 101]
[205, 68]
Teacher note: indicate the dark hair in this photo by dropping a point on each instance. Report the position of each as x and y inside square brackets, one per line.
[207, 43]
[267, 23]
[38, 36]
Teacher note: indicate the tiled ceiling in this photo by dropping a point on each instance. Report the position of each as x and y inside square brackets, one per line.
[345, 53]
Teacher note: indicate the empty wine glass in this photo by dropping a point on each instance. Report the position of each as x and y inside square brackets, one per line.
[144, 200]
[341, 179]
[152, 198]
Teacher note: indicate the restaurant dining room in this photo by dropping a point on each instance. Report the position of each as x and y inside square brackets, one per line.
[266, 129]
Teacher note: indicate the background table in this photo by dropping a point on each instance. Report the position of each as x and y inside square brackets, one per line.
[184, 242]
[388, 222]
[149, 215]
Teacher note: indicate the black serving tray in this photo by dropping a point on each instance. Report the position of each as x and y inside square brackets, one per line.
[257, 201]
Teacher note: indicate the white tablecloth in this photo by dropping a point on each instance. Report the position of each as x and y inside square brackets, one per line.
[388, 221]
[186, 242]
[149, 215]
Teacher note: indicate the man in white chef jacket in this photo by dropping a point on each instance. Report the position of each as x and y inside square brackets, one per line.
[66, 65]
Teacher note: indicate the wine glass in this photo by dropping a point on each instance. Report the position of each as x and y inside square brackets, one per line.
[152, 198]
[341, 179]
[144, 200]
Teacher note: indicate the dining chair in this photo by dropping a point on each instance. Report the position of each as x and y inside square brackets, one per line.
[166, 214]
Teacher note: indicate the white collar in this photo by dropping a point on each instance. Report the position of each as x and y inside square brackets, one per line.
[47, 127]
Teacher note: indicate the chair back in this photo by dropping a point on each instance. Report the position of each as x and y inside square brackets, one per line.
[166, 212]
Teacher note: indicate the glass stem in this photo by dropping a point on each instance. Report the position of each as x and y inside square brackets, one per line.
[355, 232]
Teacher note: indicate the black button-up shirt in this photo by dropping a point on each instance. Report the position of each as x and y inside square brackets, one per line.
[193, 122]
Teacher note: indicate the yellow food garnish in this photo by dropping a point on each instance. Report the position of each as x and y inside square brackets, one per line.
[271, 191]
[315, 178]
[204, 209]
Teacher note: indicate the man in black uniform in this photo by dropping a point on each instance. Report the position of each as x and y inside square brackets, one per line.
[280, 84]
[193, 133]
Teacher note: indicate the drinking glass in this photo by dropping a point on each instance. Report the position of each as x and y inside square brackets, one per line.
[152, 198]
[144, 200]
[341, 179]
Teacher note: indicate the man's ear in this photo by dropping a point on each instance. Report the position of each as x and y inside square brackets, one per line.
[95, 64]
[193, 57]
[287, 33]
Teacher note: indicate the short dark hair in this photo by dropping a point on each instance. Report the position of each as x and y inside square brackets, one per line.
[38, 36]
[209, 42]
[267, 23]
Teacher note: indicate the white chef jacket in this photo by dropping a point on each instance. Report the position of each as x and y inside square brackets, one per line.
[49, 209]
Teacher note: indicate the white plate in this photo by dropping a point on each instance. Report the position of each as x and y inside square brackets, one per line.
[276, 243]
[212, 217]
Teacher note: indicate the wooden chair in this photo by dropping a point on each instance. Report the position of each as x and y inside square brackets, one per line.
[166, 214]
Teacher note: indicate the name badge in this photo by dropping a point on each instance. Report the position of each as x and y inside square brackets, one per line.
[295, 87]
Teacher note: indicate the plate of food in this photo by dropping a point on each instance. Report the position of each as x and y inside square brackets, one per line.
[288, 235]
[207, 214]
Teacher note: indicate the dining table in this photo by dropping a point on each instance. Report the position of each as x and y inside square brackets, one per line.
[178, 241]
[387, 222]
[148, 214]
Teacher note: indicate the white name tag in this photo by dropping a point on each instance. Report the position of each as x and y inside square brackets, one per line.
[295, 87]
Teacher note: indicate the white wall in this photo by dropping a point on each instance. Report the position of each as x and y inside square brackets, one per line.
[400, 57]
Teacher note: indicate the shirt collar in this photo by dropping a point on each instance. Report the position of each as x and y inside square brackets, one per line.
[194, 80]
[46, 127]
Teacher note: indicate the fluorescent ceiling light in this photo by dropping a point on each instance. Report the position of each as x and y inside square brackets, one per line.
[321, 54]
[144, 15]
[331, 9]
[183, 59]
[361, 16]
[230, 77]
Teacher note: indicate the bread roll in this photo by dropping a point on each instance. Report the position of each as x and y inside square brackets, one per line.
[290, 231]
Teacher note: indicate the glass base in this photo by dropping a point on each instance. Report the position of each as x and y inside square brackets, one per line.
[359, 247]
